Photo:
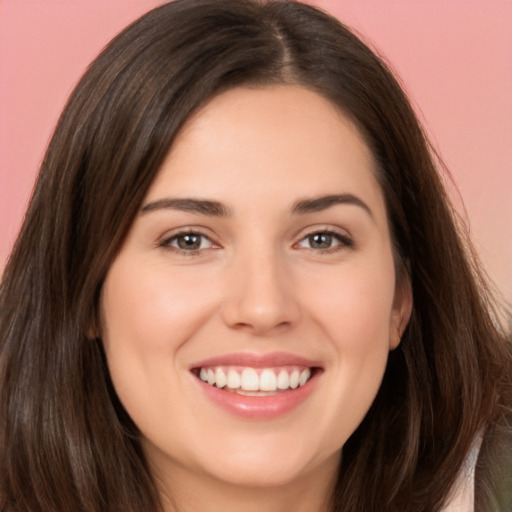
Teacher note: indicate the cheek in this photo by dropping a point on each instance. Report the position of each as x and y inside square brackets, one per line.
[146, 309]
[354, 305]
[147, 316]
[354, 311]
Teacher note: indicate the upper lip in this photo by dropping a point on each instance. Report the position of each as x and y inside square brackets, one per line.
[255, 360]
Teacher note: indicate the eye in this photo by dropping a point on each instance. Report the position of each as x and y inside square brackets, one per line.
[325, 241]
[187, 242]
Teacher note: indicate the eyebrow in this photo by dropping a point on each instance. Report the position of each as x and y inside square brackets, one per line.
[216, 209]
[317, 204]
[201, 206]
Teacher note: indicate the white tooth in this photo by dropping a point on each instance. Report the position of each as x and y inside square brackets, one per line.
[268, 381]
[233, 381]
[304, 376]
[220, 378]
[211, 377]
[294, 379]
[283, 380]
[249, 380]
[203, 375]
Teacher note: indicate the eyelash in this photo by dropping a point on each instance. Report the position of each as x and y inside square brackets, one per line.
[344, 242]
[167, 241]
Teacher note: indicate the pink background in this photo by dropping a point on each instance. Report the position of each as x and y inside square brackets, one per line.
[454, 58]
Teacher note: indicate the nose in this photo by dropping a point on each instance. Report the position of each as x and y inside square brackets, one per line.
[260, 298]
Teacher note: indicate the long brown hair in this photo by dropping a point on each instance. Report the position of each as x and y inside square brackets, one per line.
[66, 442]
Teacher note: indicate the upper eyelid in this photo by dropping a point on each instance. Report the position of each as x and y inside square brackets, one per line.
[185, 233]
[322, 228]
[186, 230]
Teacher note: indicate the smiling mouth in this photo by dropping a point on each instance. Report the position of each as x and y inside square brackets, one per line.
[250, 381]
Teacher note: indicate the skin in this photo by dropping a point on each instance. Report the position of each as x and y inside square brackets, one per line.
[257, 285]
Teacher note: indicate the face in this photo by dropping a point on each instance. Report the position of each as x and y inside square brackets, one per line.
[248, 316]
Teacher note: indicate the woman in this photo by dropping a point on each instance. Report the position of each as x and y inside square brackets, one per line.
[239, 285]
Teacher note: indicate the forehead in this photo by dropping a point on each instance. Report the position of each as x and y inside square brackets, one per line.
[278, 140]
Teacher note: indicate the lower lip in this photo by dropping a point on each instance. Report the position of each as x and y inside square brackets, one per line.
[259, 407]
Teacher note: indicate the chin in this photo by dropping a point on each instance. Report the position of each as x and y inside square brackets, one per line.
[257, 473]
[269, 463]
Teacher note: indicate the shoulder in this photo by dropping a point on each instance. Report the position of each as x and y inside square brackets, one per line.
[493, 475]
[462, 496]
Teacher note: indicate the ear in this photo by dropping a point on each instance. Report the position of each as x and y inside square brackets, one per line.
[92, 333]
[401, 313]
[93, 330]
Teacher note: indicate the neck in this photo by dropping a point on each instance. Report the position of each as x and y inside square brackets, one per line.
[185, 491]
